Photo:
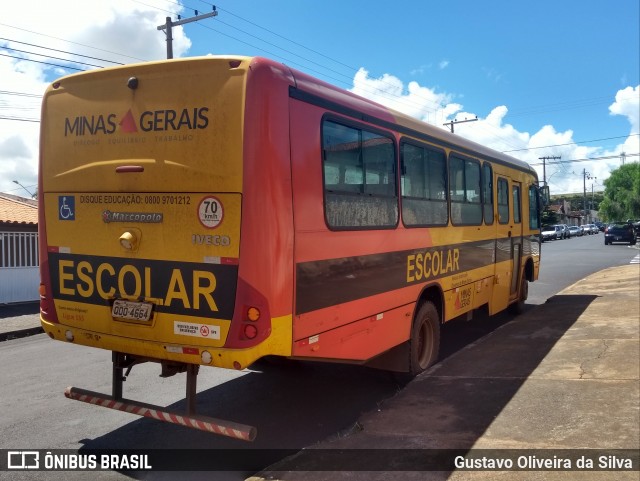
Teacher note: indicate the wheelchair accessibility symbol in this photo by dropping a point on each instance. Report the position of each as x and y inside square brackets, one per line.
[66, 207]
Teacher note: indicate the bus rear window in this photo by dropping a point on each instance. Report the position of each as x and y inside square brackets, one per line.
[359, 177]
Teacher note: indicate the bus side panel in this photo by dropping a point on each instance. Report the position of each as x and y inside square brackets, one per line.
[315, 248]
[266, 249]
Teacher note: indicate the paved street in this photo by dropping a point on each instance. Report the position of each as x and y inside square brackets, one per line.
[562, 376]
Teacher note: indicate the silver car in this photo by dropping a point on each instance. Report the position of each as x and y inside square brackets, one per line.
[575, 231]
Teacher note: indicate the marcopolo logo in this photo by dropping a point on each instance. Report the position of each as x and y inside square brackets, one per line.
[142, 217]
[192, 118]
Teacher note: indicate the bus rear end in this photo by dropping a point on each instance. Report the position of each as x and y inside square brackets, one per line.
[141, 198]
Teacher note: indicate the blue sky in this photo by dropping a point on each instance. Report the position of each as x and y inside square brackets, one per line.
[536, 74]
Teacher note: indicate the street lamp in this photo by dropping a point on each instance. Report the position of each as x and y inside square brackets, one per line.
[32, 195]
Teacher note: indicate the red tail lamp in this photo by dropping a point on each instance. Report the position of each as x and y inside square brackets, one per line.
[250, 331]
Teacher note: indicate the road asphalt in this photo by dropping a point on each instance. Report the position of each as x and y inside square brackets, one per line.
[553, 394]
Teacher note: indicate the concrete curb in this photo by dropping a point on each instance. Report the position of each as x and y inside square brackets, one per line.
[8, 336]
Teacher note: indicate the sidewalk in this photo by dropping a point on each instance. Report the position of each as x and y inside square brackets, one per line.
[19, 320]
[561, 378]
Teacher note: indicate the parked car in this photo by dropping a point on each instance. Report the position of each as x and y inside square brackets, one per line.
[575, 231]
[551, 232]
[589, 229]
[601, 226]
[563, 231]
[620, 232]
[595, 229]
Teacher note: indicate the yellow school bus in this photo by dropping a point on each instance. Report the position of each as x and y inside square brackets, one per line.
[213, 211]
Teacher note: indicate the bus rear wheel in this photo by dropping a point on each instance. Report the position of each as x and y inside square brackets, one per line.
[518, 306]
[425, 339]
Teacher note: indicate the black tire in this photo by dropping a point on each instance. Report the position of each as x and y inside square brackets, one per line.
[518, 306]
[424, 345]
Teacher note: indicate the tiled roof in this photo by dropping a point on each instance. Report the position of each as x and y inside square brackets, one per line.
[17, 210]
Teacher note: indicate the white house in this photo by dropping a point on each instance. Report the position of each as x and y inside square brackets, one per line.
[19, 275]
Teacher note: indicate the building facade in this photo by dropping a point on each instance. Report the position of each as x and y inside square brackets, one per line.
[19, 274]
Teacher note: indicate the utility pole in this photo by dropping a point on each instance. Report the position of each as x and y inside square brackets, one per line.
[623, 156]
[169, 25]
[585, 175]
[544, 166]
[455, 121]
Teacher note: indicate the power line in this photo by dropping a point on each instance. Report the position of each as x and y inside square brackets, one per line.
[568, 105]
[19, 94]
[45, 63]
[401, 99]
[60, 51]
[74, 43]
[18, 119]
[607, 157]
[49, 56]
[571, 143]
[288, 39]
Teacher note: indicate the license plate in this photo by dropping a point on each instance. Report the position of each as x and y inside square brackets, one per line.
[131, 310]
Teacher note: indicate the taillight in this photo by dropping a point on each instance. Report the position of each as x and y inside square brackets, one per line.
[251, 322]
[250, 331]
[44, 301]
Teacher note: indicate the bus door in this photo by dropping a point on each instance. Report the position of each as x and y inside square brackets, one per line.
[516, 238]
[508, 245]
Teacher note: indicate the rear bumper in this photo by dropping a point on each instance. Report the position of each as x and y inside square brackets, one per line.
[618, 238]
[277, 344]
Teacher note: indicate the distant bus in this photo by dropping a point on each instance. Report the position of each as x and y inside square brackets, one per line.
[213, 211]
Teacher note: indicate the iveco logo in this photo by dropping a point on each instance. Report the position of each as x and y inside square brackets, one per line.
[142, 217]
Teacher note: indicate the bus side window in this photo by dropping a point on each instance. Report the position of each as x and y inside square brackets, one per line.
[487, 193]
[464, 191]
[516, 204]
[359, 177]
[424, 186]
[534, 208]
[503, 201]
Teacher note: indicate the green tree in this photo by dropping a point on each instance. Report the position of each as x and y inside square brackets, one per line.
[622, 194]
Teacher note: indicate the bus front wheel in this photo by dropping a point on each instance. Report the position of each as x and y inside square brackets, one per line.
[425, 338]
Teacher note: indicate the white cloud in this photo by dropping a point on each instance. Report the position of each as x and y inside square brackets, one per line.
[436, 108]
[420, 102]
[628, 104]
[120, 30]
[443, 64]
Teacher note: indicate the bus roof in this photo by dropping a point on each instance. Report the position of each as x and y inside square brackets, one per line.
[313, 90]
